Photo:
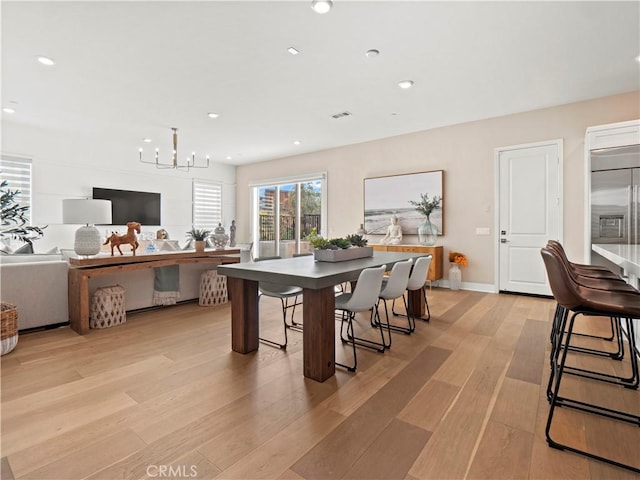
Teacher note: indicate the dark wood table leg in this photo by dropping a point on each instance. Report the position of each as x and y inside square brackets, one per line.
[318, 334]
[244, 314]
[416, 303]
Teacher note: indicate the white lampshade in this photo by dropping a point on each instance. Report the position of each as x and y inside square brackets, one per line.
[86, 211]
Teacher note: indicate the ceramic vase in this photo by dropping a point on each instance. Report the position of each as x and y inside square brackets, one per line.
[455, 277]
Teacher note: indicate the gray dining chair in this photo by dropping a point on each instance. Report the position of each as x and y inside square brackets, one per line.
[289, 298]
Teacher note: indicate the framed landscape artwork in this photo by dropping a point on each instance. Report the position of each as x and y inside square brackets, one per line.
[386, 196]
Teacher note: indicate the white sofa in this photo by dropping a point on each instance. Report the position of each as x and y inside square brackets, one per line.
[38, 286]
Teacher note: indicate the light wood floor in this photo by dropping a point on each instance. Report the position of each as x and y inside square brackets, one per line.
[163, 396]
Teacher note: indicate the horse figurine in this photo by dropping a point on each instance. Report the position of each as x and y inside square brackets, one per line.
[130, 238]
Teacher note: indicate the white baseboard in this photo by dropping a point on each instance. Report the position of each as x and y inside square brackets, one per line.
[475, 287]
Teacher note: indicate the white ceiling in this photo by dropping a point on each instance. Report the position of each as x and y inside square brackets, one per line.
[131, 70]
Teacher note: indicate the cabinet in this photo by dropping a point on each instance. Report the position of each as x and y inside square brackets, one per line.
[613, 135]
[435, 268]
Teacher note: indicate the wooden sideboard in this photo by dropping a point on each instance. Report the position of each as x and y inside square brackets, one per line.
[435, 269]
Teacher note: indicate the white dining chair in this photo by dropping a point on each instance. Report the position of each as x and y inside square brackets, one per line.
[417, 281]
[394, 287]
[363, 298]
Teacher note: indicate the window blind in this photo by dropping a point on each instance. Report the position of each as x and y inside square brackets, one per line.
[17, 173]
[207, 204]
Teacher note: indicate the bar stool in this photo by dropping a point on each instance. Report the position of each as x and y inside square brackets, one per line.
[597, 285]
[600, 282]
[578, 300]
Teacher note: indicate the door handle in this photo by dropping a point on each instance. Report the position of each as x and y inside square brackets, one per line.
[503, 240]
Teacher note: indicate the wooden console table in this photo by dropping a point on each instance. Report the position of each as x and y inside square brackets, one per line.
[435, 268]
[82, 269]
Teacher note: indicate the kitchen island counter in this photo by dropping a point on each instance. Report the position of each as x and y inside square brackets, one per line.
[625, 256]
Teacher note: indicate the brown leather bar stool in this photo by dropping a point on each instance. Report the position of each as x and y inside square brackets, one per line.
[560, 318]
[601, 282]
[584, 269]
[577, 301]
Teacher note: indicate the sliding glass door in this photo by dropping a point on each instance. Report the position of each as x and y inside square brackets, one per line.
[285, 214]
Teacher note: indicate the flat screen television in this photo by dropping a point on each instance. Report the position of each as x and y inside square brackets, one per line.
[130, 206]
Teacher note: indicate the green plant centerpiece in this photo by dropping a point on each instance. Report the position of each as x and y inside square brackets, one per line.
[14, 218]
[338, 249]
[427, 232]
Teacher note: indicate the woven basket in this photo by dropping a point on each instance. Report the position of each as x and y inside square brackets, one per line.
[9, 324]
[107, 307]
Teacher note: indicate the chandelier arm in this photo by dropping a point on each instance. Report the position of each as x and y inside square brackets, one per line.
[191, 163]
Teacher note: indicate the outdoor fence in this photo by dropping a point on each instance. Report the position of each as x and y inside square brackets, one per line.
[287, 226]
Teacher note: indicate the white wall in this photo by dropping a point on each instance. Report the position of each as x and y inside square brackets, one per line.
[467, 154]
[69, 164]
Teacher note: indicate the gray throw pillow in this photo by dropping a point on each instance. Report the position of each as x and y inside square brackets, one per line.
[26, 248]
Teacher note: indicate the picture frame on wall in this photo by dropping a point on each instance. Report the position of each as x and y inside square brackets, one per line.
[391, 195]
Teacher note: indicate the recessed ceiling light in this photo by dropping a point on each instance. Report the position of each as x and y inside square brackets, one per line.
[8, 110]
[372, 53]
[296, 142]
[228, 157]
[321, 6]
[46, 61]
[638, 59]
[212, 115]
[293, 51]
[146, 140]
[405, 84]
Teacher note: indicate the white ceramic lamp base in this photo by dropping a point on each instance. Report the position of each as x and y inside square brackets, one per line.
[88, 241]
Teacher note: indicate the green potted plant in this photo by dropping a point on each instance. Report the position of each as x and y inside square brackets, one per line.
[14, 219]
[14, 225]
[427, 231]
[199, 237]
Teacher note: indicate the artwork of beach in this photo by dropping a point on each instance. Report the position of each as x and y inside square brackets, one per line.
[376, 222]
[386, 196]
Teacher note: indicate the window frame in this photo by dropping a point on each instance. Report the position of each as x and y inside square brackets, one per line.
[254, 188]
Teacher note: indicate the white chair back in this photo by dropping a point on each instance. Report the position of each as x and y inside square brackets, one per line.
[419, 273]
[365, 294]
[398, 279]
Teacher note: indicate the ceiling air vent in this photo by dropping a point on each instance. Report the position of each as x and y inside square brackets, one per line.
[341, 114]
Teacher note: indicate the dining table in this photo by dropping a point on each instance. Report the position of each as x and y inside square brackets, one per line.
[317, 280]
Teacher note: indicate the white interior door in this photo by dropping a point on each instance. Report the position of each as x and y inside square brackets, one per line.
[530, 213]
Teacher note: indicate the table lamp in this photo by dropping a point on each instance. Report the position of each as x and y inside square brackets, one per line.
[89, 212]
